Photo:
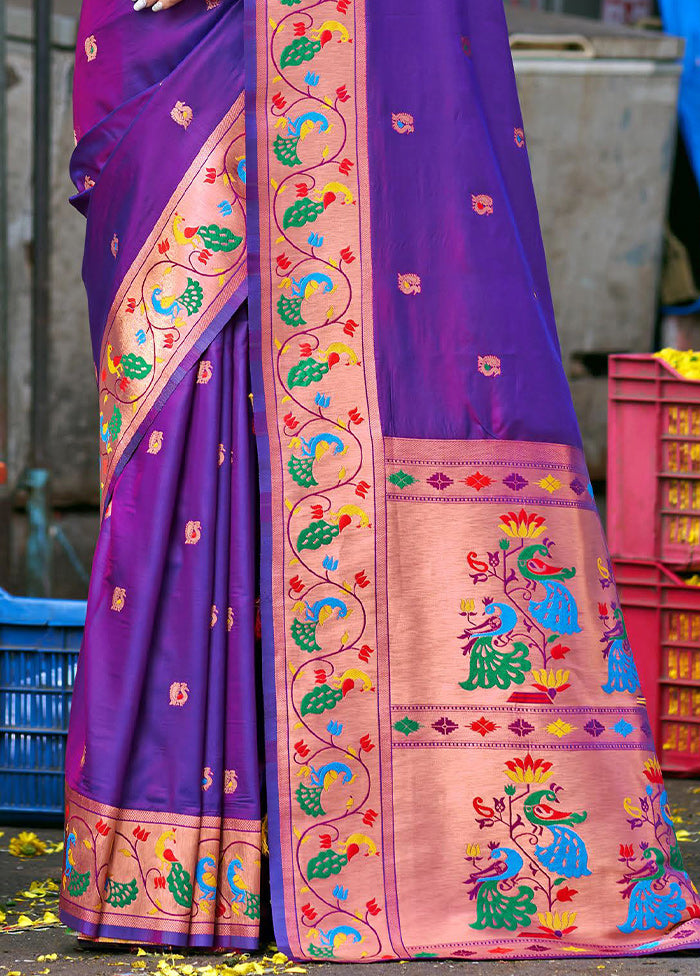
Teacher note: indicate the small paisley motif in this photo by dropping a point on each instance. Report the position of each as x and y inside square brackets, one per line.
[182, 114]
[155, 442]
[489, 365]
[205, 372]
[409, 284]
[482, 204]
[90, 47]
[402, 122]
[179, 693]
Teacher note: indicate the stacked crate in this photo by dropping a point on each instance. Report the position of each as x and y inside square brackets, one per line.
[654, 538]
[39, 645]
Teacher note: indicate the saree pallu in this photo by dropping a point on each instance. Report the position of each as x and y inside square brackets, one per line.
[324, 208]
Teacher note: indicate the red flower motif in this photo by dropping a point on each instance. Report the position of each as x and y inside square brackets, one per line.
[101, 827]
[168, 340]
[350, 327]
[317, 511]
[345, 166]
[283, 262]
[295, 584]
[308, 912]
[565, 893]
[603, 609]
[361, 489]
[361, 580]
[299, 28]
[366, 743]
[626, 850]
[164, 246]
[342, 93]
[302, 189]
[483, 726]
[204, 256]
[372, 907]
[211, 175]
[355, 416]
[347, 255]
[478, 481]
[131, 305]
[324, 841]
[342, 6]
[321, 676]
[279, 101]
[693, 911]
[159, 881]
[302, 748]
[140, 833]
[365, 652]
[558, 651]
[291, 421]
[369, 817]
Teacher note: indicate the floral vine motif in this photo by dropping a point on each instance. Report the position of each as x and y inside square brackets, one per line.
[318, 336]
[501, 647]
[162, 871]
[526, 868]
[622, 671]
[654, 880]
[197, 250]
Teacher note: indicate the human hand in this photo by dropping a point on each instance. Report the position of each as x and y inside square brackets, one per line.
[155, 5]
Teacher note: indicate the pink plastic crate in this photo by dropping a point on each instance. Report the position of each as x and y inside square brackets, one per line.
[662, 616]
[653, 462]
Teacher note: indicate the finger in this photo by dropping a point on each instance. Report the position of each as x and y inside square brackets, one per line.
[154, 5]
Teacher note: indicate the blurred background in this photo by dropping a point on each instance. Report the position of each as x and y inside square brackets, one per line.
[599, 83]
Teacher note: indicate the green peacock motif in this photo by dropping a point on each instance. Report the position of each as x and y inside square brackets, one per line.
[320, 699]
[320, 533]
[301, 212]
[219, 238]
[325, 864]
[494, 908]
[119, 894]
[192, 297]
[302, 470]
[289, 310]
[304, 635]
[180, 885]
[490, 666]
[78, 883]
[301, 49]
[306, 372]
[285, 148]
[309, 799]
[135, 367]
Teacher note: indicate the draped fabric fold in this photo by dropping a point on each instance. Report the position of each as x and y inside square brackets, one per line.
[319, 213]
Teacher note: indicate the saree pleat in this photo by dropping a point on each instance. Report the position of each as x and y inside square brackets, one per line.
[437, 707]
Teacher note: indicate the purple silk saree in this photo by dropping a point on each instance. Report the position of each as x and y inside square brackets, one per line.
[324, 208]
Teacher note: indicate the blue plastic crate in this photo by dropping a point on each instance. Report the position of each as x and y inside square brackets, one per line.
[39, 645]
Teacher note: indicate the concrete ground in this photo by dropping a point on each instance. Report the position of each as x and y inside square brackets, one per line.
[28, 950]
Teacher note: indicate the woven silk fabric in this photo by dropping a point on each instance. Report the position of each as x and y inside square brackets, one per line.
[351, 575]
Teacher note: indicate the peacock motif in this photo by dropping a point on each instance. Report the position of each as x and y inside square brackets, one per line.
[566, 854]
[649, 908]
[498, 666]
[622, 671]
[495, 907]
[558, 610]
